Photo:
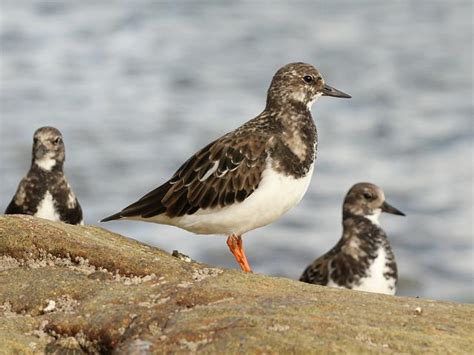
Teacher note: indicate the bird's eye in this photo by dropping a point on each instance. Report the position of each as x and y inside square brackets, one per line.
[367, 195]
[57, 140]
[308, 79]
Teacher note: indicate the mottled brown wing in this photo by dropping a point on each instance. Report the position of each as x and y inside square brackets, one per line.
[29, 192]
[222, 173]
[13, 208]
[317, 273]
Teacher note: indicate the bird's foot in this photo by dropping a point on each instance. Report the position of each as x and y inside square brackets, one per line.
[235, 244]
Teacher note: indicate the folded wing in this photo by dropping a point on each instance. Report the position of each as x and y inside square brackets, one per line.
[219, 175]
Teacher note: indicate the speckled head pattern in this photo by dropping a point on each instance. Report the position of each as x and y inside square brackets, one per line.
[366, 199]
[299, 83]
[48, 148]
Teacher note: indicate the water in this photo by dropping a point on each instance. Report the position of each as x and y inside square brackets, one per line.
[137, 87]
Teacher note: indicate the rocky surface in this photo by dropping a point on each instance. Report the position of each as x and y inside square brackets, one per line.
[82, 289]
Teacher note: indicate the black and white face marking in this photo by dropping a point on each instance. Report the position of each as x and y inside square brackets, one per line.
[48, 148]
[299, 83]
[367, 200]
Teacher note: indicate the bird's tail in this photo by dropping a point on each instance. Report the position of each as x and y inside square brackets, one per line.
[112, 217]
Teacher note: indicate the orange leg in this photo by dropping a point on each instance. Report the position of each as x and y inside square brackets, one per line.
[235, 244]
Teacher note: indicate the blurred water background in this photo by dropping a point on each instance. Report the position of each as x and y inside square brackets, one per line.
[136, 87]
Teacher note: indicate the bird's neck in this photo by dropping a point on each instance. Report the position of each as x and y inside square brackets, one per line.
[47, 164]
[367, 216]
[361, 239]
[284, 104]
[298, 131]
[362, 228]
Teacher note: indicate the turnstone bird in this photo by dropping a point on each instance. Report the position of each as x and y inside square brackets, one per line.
[44, 192]
[362, 259]
[249, 177]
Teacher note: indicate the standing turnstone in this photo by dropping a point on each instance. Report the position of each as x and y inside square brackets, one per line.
[44, 192]
[249, 177]
[362, 259]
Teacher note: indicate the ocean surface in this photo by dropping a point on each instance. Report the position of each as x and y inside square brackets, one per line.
[136, 87]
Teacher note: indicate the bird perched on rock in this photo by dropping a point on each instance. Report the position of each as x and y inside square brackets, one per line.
[249, 177]
[44, 192]
[362, 259]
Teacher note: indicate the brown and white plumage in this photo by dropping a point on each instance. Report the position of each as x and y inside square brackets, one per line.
[221, 174]
[251, 176]
[45, 192]
[363, 258]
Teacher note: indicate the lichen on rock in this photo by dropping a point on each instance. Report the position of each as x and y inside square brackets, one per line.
[83, 289]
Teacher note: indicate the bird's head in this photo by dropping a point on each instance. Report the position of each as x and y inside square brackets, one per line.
[48, 148]
[300, 84]
[367, 200]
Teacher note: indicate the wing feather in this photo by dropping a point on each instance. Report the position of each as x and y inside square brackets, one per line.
[221, 174]
[317, 273]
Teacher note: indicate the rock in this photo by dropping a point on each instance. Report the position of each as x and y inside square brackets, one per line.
[82, 289]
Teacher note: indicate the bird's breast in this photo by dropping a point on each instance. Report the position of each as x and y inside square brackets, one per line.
[377, 277]
[47, 209]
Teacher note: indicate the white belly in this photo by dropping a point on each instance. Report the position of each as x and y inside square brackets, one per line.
[46, 208]
[375, 281]
[275, 195]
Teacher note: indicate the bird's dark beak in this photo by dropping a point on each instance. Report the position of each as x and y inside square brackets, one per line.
[330, 91]
[390, 209]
